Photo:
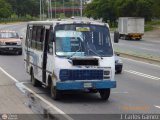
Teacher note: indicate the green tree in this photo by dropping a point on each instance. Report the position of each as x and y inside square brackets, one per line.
[135, 8]
[102, 9]
[25, 7]
[112, 9]
[5, 9]
[156, 9]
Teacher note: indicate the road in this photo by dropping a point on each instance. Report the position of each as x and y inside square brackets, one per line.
[145, 47]
[137, 91]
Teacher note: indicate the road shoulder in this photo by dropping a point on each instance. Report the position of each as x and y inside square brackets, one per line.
[12, 100]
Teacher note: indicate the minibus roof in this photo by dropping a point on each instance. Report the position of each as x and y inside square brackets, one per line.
[68, 21]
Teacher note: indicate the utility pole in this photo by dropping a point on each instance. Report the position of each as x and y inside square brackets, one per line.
[81, 7]
[63, 8]
[55, 8]
[51, 8]
[40, 7]
[72, 8]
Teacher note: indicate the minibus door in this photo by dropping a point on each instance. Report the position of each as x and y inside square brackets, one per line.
[44, 56]
[27, 46]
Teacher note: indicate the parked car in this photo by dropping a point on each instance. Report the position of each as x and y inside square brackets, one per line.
[10, 42]
[118, 64]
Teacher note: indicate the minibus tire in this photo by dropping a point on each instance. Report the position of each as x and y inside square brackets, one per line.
[20, 53]
[118, 71]
[55, 94]
[105, 93]
[34, 82]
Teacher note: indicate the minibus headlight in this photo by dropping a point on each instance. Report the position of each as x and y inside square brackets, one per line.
[106, 72]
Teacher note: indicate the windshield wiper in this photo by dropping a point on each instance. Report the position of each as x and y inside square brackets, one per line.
[80, 48]
[93, 51]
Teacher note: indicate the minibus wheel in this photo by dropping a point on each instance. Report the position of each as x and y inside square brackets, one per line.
[33, 80]
[104, 93]
[20, 53]
[55, 94]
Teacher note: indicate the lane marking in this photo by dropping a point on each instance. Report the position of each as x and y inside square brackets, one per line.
[149, 49]
[12, 78]
[120, 92]
[157, 106]
[140, 62]
[142, 74]
[38, 96]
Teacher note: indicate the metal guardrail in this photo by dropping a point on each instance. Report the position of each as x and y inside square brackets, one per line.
[5, 20]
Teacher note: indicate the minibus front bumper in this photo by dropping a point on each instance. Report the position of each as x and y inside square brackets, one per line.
[82, 85]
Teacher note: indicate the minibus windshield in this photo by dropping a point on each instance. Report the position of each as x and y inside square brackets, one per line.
[83, 40]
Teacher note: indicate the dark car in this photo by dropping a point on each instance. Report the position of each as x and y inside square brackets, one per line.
[10, 42]
[118, 64]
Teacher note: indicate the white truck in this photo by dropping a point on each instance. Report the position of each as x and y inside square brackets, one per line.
[131, 28]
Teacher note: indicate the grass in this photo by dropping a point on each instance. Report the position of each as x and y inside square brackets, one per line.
[152, 25]
[148, 28]
[113, 29]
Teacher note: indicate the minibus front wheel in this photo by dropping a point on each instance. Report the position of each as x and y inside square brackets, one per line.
[104, 93]
[55, 94]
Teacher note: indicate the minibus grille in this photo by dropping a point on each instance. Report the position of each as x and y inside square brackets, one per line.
[80, 75]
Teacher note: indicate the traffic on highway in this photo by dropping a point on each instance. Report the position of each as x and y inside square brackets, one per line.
[137, 87]
[79, 69]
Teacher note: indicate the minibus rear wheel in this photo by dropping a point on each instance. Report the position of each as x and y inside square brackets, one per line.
[33, 80]
[104, 93]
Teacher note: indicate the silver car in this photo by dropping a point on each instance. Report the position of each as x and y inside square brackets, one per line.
[118, 64]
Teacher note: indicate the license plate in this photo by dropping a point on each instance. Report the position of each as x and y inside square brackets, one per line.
[88, 85]
[10, 48]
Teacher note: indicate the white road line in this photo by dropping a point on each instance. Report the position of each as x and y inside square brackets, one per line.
[38, 96]
[149, 49]
[12, 78]
[120, 92]
[157, 106]
[141, 62]
[142, 74]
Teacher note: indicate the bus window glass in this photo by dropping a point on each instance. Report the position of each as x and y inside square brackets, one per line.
[33, 40]
[50, 43]
[83, 40]
[39, 37]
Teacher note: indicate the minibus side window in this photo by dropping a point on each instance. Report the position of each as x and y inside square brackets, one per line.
[42, 37]
[39, 37]
[50, 42]
[33, 40]
[28, 36]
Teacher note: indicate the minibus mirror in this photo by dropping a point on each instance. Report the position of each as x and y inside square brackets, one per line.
[21, 37]
[116, 37]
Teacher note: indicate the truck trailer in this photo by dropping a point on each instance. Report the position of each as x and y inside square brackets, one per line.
[131, 28]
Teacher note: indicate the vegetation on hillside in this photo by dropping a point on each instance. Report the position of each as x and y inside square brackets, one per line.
[110, 10]
[107, 10]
